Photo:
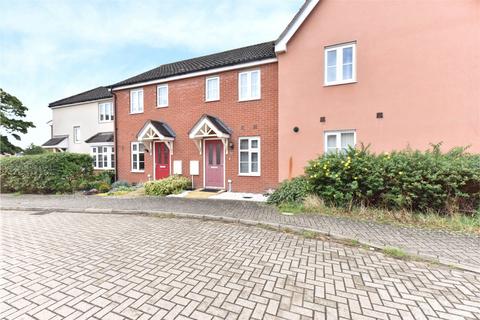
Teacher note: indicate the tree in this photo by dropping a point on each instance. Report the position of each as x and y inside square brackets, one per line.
[33, 149]
[11, 112]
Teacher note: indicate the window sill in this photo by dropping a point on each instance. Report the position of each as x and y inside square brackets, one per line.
[251, 99]
[140, 112]
[213, 100]
[103, 121]
[137, 171]
[249, 174]
[339, 83]
[103, 168]
[160, 107]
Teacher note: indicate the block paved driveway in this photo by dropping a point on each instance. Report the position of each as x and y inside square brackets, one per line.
[448, 247]
[105, 266]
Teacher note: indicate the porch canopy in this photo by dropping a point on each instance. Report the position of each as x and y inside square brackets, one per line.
[156, 131]
[57, 143]
[210, 127]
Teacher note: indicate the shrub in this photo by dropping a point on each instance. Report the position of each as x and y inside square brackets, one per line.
[102, 187]
[120, 183]
[45, 173]
[412, 180]
[290, 191]
[170, 185]
[108, 176]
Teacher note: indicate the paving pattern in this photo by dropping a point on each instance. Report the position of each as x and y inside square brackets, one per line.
[90, 266]
[450, 248]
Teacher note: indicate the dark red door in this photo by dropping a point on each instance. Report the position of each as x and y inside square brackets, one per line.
[162, 160]
[214, 164]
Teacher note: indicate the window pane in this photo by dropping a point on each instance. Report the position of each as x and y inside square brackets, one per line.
[210, 154]
[134, 147]
[347, 55]
[254, 156]
[140, 101]
[141, 147]
[254, 143]
[219, 153]
[162, 96]
[332, 58]
[255, 83]
[141, 163]
[331, 74]
[331, 141]
[244, 167]
[244, 156]
[347, 71]
[134, 158]
[243, 86]
[347, 139]
[244, 144]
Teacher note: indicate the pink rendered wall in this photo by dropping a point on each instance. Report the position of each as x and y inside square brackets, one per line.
[418, 62]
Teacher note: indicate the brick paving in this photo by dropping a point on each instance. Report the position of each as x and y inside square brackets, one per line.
[449, 248]
[88, 266]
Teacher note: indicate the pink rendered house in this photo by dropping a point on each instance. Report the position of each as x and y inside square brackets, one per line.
[392, 74]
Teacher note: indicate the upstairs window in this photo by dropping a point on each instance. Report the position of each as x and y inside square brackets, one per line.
[136, 101]
[105, 112]
[138, 157]
[77, 136]
[339, 141]
[249, 85]
[340, 64]
[249, 156]
[212, 89]
[162, 96]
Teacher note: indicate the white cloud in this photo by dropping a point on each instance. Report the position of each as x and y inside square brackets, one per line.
[54, 48]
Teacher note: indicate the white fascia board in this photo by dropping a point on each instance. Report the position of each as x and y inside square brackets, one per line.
[80, 103]
[281, 45]
[197, 74]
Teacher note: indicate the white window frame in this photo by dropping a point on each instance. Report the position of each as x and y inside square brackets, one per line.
[162, 105]
[339, 66]
[250, 150]
[249, 96]
[109, 152]
[102, 111]
[137, 152]
[338, 135]
[77, 135]
[207, 99]
[139, 107]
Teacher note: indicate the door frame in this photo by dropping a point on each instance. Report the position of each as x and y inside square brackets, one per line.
[155, 159]
[204, 163]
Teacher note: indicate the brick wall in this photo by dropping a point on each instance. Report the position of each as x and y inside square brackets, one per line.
[186, 106]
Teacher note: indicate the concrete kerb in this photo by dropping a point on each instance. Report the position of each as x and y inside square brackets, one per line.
[258, 223]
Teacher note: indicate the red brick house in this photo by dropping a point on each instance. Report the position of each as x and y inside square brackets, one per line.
[212, 118]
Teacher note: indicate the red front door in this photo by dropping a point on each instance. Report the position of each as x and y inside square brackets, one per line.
[214, 156]
[162, 160]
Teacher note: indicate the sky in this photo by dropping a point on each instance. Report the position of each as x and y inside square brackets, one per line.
[52, 49]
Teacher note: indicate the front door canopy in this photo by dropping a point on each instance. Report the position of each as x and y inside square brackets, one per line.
[210, 127]
[156, 130]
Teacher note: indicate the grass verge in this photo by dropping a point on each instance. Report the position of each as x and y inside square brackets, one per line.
[457, 222]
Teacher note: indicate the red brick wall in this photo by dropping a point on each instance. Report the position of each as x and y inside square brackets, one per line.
[186, 106]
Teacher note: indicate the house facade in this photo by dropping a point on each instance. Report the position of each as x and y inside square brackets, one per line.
[392, 75]
[213, 119]
[84, 123]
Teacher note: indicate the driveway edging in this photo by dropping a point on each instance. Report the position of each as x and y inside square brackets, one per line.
[246, 222]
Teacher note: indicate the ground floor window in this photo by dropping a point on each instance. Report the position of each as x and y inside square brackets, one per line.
[138, 157]
[249, 156]
[103, 157]
[339, 141]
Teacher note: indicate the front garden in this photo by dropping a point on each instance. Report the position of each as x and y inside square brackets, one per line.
[431, 189]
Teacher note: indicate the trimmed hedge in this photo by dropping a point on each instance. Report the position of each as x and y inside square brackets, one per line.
[45, 173]
[170, 185]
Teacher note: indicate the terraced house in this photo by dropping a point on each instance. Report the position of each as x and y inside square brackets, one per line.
[212, 118]
[392, 75]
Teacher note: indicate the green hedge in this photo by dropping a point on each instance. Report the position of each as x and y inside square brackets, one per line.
[170, 185]
[290, 191]
[413, 180]
[45, 173]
